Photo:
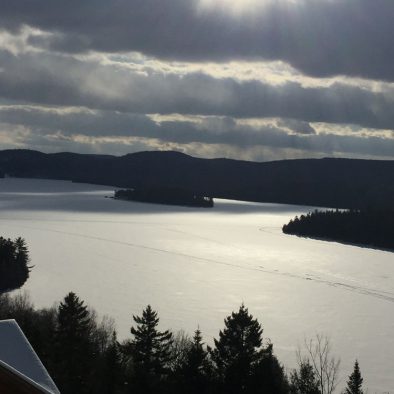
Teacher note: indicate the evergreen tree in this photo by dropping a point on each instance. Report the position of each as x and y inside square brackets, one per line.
[268, 374]
[193, 376]
[355, 382]
[237, 351]
[113, 374]
[21, 260]
[14, 259]
[74, 351]
[304, 381]
[197, 356]
[151, 352]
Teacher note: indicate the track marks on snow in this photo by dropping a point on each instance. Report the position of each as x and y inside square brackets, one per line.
[376, 293]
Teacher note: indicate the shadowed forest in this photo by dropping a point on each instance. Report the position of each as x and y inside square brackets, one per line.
[83, 355]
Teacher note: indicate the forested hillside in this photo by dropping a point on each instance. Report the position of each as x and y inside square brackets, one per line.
[337, 183]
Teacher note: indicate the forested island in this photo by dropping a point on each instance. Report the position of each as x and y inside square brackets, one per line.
[165, 195]
[14, 259]
[371, 228]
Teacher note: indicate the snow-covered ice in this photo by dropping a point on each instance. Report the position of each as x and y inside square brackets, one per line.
[197, 265]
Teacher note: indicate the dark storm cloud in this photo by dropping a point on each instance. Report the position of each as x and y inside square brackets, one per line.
[64, 81]
[320, 38]
[97, 123]
[115, 124]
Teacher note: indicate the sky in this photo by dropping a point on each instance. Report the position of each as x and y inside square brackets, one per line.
[246, 79]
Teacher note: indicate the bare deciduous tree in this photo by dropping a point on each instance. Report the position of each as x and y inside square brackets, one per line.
[317, 351]
[179, 348]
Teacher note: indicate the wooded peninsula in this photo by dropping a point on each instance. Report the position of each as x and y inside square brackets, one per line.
[370, 228]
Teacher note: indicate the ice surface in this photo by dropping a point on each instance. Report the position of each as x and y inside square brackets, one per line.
[16, 352]
[196, 265]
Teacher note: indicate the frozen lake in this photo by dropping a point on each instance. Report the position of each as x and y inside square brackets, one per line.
[197, 265]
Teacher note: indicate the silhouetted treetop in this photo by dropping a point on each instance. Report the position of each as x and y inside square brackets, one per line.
[355, 382]
[304, 380]
[238, 350]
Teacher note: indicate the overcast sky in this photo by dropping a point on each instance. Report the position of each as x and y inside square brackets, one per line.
[248, 79]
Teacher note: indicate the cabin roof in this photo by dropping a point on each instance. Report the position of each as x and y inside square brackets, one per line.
[18, 357]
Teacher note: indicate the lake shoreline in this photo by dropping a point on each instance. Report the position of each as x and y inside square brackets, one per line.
[331, 240]
[120, 256]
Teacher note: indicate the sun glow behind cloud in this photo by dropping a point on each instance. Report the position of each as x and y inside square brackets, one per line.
[234, 6]
[242, 7]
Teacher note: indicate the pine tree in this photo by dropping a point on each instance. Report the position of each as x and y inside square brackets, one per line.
[355, 382]
[237, 351]
[150, 351]
[304, 381]
[74, 351]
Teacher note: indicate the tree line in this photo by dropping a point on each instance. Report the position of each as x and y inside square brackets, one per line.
[83, 354]
[369, 227]
[165, 195]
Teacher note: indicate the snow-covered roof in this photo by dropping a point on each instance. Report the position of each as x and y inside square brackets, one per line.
[17, 355]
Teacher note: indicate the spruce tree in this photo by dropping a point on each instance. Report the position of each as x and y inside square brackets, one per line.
[193, 376]
[113, 371]
[237, 351]
[304, 381]
[150, 351]
[196, 357]
[21, 260]
[268, 374]
[355, 382]
[73, 347]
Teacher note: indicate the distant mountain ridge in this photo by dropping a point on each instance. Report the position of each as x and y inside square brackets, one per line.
[337, 183]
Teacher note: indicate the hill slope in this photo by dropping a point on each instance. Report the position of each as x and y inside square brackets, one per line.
[342, 183]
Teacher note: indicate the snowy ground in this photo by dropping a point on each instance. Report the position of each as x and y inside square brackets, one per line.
[197, 265]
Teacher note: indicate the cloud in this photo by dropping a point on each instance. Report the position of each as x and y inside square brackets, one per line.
[51, 79]
[320, 38]
[92, 131]
[211, 76]
[296, 126]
